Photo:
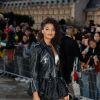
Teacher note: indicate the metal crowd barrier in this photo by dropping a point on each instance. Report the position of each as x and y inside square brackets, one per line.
[88, 85]
[16, 63]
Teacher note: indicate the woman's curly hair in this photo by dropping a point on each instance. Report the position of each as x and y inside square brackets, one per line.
[48, 20]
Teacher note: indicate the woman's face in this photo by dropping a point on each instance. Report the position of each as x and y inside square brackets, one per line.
[18, 29]
[25, 38]
[75, 31]
[96, 37]
[49, 31]
[92, 44]
[85, 42]
[27, 32]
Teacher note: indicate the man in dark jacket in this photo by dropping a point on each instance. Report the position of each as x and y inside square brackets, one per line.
[69, 50]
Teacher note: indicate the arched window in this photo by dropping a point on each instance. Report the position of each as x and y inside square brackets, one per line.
[28, 3]
[57, 1]
[8, 5]
[63, 1]
[20, 4]
[74, 0]
[47, 2]
[68, 0]
[42, 2]
[32, 3]
[52, 2]
[16, 4]
[12, 4]
[24, 3]
[37, 3]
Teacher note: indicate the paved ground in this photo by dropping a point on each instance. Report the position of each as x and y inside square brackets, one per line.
[12, 90]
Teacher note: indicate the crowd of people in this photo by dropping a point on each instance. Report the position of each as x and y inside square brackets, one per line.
[52, 51]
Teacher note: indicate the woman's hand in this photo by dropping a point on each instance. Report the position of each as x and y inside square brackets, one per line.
[66, 98]
[96, 60]
[36, 96]
[84, 52]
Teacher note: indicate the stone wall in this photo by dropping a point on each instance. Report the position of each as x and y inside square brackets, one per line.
[93, 14]
[79, 9]
[73, 9]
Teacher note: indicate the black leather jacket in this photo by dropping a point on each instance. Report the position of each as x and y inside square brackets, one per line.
[42, 63]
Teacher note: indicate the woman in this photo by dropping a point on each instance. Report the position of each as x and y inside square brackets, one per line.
[97, 39]
[89, 73]
[47, 81]
[97, 61]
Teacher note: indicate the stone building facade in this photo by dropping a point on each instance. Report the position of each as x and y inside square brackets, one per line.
[59, 9]
[93, 11]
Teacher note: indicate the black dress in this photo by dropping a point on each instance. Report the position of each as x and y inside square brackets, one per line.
[47, 79]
